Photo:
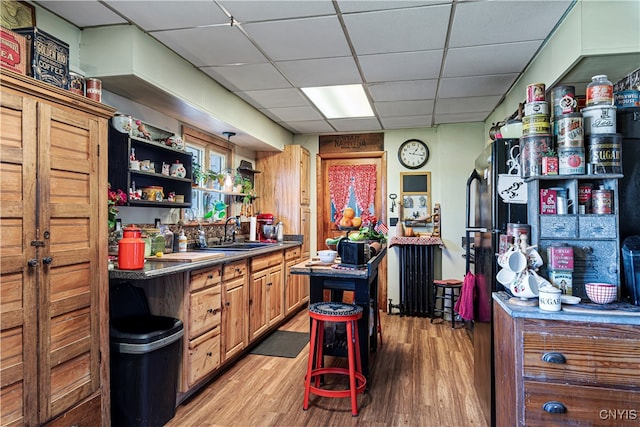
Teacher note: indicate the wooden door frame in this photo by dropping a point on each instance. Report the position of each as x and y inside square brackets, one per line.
[321, 193]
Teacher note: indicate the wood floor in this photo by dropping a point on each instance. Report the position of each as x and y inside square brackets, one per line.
[421, 376]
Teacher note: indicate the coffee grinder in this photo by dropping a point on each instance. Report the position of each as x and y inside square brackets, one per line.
[263, 219]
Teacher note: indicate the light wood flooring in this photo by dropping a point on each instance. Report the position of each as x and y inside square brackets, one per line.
[421, 376]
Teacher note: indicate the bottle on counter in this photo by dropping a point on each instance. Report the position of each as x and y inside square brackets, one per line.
[168, 238]
[182, 242]
[280, 232]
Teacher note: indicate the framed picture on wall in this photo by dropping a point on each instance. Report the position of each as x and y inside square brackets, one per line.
[416, 197]
[17, 14]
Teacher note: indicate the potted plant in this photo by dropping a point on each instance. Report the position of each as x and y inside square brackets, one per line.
[213, 177]
[198, 175]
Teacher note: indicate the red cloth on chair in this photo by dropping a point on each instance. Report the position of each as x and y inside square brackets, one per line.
[464, 305]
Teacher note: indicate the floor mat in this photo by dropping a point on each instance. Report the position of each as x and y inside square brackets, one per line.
[282, 344]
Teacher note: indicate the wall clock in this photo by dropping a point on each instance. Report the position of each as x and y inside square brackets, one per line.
[413, 154]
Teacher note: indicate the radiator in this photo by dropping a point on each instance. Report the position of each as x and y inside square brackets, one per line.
[416, 280]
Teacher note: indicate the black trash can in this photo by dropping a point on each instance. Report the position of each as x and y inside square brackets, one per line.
[145, 356]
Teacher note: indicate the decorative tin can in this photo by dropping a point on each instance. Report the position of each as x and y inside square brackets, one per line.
[602, 201]
[48, 57]
[569, 130]
[560, 257]
[538, 124]
[600, 91]
[582, 102]
[549, 298]
[514, 230]
[14, 51]
[599, 119]
[535, 92]
[571, 160]
[563, 100]
[537, 107]
[563, 280]
[548, 201]
[94, 89]
[76, 83]
[532, 147]
[605, 153]
[584, 197]
[627, 98]
[550, 165]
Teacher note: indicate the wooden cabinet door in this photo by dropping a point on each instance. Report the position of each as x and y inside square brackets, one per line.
[305, 189]
[204, 310]
[292, 289]
[258, 304]
[305, 224]
[234, 325]
[275, 295]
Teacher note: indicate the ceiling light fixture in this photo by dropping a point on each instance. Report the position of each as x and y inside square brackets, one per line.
[229, 135]
[340, 102]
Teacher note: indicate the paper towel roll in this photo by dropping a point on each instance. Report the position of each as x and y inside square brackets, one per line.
[252, 228]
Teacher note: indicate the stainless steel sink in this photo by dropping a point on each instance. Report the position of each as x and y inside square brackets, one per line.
[245, 246]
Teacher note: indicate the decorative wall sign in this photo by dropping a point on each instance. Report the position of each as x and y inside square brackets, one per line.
[17, 14]
[350, 143]
[416, 197]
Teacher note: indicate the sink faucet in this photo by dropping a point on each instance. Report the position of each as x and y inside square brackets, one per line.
[233, 232]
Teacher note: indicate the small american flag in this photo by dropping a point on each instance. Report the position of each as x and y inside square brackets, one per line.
[381, 228]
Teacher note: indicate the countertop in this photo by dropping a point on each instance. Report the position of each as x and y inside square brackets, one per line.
[156, 268]
[624, 314]
[312, 267]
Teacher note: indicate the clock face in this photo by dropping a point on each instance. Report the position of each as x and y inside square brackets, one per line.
[413, 154]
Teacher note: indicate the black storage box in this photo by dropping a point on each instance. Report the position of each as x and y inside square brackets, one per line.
[145, 356]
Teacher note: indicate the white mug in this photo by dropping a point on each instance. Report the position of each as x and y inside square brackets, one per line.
[506, 277]
[526, 286]
[513, 260]
[534, 260]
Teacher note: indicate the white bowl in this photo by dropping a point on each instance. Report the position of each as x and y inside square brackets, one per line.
[601, 293]
[327, 256]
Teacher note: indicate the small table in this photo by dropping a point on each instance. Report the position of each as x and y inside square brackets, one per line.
[363, 282]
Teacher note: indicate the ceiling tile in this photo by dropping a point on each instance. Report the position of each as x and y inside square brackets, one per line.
[467, 105]
[85, 13]
[406, 122]
[489, 59]
[512, 20]
[310, 126]
[321, 72]
[460, 118]
[398, 30]
[255, 11]
[347, 6]
[275, 98]
[161, 15]
[401, 66]
[248, 76]
[352, 125]
[211, 46]
[404, 108]
[300, 38]
[287, 114]
[461, 87]
[398, 91]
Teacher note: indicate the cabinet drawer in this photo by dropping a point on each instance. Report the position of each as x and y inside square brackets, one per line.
[583, 359]
[583, 405]
[559, 226]
[292, 254]
[204, 355]
[265, 261]
[232, 284]
[233, 270]
[205, 277]
[598, 226]
[204, 310]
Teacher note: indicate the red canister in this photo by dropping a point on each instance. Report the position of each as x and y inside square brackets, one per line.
[602, 201]
[131, 249]
[585, 190]
[93, 89]
[535, 92]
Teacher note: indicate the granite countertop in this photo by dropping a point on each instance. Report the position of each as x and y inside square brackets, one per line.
[156, 268]
[620, 313]
[312, 267]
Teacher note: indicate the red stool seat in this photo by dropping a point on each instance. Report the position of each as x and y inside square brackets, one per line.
[349, 314]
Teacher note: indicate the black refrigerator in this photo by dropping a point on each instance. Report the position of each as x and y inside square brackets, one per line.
[496, 196]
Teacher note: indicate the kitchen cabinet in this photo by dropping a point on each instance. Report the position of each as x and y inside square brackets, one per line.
[158, 152]
[594, 238]
[203, 328]
[53, 306]
[234, 309]
[266, 293]
[296, 288]
[552, 372]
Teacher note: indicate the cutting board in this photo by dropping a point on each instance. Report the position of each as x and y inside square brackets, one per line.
[188, 256]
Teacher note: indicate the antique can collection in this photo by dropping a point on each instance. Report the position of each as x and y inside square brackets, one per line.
[571, 160]
[585, 190]
[599, 91]
[563, 100]
[599, 119]
[14, 51]
[48, 57]
[602, 201]
[605, 155]
[627, 98]
[76, 83]
[535, 92]
[532, 148]
[536, 124]
[94, 89]
[560, 257]
[569, 130]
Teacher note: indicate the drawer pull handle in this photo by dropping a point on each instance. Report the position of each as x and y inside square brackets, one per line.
[227, 303]
[598, 230]
[209, 354]
[587, 250]
[210, 276]
[554, 407]
[212, 311]
[554, 357]
[237, 271]
[558, 227]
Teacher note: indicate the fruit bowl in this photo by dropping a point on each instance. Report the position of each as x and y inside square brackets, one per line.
[601, 293]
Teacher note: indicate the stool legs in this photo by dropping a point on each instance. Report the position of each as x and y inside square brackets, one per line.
[312, 352]
[352, 369]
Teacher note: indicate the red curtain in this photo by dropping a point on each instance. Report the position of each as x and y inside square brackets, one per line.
[363, 179]
[339, 183]
[364, 188]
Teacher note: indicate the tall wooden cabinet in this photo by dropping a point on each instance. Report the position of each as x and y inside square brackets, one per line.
[54, 356]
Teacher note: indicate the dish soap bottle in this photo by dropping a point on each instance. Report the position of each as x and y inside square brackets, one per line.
[182, 242]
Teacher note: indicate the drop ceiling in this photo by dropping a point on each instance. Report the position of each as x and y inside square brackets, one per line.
[422, 63]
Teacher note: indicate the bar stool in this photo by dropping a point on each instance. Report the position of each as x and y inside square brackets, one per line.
[335, 312]
[453, 286]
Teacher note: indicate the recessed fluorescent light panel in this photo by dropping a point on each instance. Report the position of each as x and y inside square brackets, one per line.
[339, 102]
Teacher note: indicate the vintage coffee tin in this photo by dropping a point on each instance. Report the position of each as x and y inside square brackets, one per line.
[560, 257]
[563, 280]
[48, 57]
[585, 190]
[599, 119]
[571, 160]
[76, 83]
[537, 107]
[550, 165]
[548, 201]
[627, 98]
[605, 154]
[602, 201]
[532, 147]
[14, 51]
[537, 124]
[563, 100]
[535, 92]
[569, 130]
[94, 89]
